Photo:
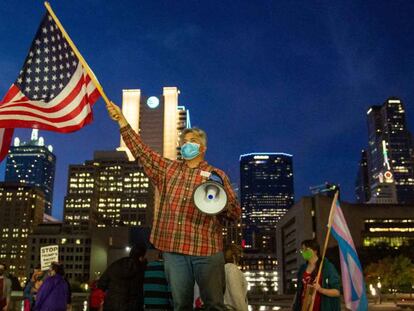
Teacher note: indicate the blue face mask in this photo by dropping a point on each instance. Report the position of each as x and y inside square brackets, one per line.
[190, 150]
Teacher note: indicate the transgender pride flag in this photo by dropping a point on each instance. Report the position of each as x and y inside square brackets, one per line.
[352, 276]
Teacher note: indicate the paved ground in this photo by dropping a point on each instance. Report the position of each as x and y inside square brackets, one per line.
[387, 306]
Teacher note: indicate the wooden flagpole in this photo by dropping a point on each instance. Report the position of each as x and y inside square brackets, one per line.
[78, 54]
[328, 233]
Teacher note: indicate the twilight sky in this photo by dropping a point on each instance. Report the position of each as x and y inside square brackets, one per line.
[258, 76]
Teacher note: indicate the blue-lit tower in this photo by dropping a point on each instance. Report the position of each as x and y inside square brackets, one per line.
[266, 193]
[33, 163]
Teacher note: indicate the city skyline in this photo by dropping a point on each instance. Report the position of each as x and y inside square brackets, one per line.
[305, 92]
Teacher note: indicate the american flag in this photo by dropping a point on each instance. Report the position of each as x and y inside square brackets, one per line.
[53, 91]
[352, 275]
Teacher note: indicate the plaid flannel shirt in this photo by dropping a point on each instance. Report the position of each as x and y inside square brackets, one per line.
[178, 226]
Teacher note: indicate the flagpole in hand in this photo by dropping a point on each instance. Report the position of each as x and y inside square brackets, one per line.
[78, 55]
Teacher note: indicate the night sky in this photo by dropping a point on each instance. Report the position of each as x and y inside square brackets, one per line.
[258, 76]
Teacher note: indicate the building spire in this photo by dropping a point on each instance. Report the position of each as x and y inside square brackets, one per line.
[35, 134]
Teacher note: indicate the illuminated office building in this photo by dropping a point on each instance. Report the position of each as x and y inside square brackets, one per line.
[33, 163]
[266, 193]
[21, 210]
[158, 119]
[108, 191]
[390, 154]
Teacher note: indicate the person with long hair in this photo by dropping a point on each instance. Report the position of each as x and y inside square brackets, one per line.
[235, 296]
[327, 287]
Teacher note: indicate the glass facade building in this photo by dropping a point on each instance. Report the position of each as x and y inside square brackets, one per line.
[390, 154]
[266, 193]
[33, 163]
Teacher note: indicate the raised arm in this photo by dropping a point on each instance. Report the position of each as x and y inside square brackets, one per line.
[154, 164]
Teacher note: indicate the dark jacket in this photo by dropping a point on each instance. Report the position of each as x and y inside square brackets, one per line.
[330, 279]
[53, 294]
[123, 283]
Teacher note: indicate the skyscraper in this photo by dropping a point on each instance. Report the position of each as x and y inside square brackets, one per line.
[266, 193]
[33, 163]
[159, 120]
[390, 154]
[21, 210]
[362, 189]
[108, 191]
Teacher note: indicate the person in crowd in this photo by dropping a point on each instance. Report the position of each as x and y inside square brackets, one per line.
[96, 297]
[327, 287]
[123, 282]
[235, 296]
[191, 241]
[5, 289]
[157, 294]
[53, 294]
[31, 288]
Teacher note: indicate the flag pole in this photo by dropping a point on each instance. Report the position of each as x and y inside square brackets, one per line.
[328, 233]
[78, 54]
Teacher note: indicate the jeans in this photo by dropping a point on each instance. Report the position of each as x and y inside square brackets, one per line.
[208, 271]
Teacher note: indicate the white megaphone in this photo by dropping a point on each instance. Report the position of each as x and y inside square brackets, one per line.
[210, 197]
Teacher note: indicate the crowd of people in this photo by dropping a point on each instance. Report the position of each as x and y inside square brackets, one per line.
[139, 282]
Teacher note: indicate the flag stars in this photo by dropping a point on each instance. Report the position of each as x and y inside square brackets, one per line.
[37, 61]
[36, 88]
[54, 68]
[20, 80]
[45, 88]
[44, 30]
[27, 89]
[46, 50]
[54, 78]
[53, 87]
[37, 70]
[37, 79]
[46, 69]
[28, 80]
[38, 41]
[46, 59]
[46, 78]
[45, 40]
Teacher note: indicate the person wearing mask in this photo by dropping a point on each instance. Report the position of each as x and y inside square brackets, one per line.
[123, 282]
[53, 294]
[327, 287]
[191, 241]
[235, 296]
[5, 289]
